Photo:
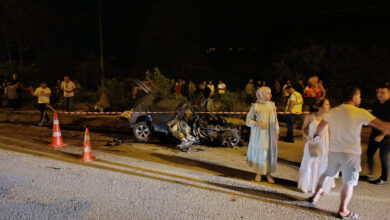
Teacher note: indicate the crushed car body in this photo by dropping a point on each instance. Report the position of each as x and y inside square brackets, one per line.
[183, 123]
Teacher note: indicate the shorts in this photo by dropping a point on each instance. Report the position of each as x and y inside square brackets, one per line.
[347, 163]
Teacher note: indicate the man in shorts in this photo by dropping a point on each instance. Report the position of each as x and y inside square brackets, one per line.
[345, 123]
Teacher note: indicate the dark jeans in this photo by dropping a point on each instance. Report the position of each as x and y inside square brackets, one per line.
[13, 103]
[384, 148]
[250, 98]
[69, 102]
[42, 108]
[290, 119]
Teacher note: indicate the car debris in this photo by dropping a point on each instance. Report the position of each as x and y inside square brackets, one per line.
[183, 124]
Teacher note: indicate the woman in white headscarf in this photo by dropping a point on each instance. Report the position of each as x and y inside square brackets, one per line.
[263, 141]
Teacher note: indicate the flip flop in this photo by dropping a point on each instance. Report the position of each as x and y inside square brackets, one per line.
[311, 203]
[352, 215]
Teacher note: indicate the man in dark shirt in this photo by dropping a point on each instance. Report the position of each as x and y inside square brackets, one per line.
[379, 139]
[207, 96]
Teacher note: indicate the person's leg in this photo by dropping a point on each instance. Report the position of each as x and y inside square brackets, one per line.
[334, 163]
[205, 104]
[316, 196]
[290, 126]
[46, 115]
[371, 150]
[345, 198]
[66, 102]
[258, 177]
[11, 103]
[41, 108]
[71, 104]
[270, 179]
[384, 156]
[350, 170]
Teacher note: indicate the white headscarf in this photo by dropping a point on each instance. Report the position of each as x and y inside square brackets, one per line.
[261, 94]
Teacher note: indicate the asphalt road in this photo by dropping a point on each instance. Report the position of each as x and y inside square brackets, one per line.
[156, 181]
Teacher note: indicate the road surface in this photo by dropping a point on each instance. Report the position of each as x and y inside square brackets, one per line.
[156, 181]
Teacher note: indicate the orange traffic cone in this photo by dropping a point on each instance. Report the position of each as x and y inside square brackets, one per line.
[87, 152]
[56, 140]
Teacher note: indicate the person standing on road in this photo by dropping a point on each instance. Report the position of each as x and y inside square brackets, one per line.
[12, 95]
[221, 88]
[313, 167]
[380, 139]
[43, 93]
[294, 106]
[16, 83]
[345, 124]
[69, 88]
[212, 88]
[263, 140]
[250, 91]
[191, 91]
[285, 93]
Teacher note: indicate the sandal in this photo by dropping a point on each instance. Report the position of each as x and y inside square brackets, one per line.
[270, 179]
[312, 204]
[351, 215]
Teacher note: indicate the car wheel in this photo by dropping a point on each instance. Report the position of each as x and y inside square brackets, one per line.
[142, 131]
[230, 139]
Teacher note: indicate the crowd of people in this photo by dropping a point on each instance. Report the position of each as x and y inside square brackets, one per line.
[11, 95]
[207, 91]
[331, 137]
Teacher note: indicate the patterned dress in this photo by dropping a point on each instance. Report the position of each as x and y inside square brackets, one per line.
[263, 143]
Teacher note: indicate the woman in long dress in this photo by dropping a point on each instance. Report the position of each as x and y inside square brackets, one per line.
[313, 167]
[263, 141]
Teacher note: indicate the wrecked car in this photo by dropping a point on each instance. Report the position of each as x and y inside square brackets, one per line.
[184, 124]
[190, 128]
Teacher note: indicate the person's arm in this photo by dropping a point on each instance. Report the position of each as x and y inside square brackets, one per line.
[308, 120]
[320, 127]
[380, 137]
[290, 105]
[33, 93]
[250, 122]
[380, 125]
[251, 119]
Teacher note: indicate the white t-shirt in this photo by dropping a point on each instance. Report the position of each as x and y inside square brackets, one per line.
[43, 95]
[68, 86]
[221, 88]
[345, 123]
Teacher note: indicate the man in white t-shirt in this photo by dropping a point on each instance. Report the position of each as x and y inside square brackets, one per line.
[345, 123]
[221, 88]
[68, 87]
[43, 93]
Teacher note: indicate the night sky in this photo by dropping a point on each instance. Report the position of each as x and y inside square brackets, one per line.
[273, 24]
[141, 34]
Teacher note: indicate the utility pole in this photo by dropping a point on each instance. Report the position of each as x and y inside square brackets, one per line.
[101, 43]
